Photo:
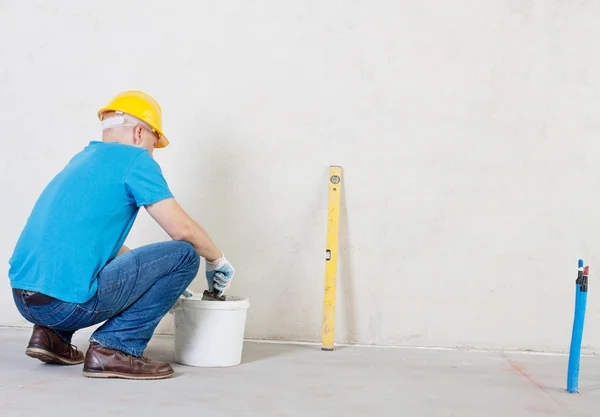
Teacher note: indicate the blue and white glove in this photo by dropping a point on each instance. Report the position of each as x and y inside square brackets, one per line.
[219, 274]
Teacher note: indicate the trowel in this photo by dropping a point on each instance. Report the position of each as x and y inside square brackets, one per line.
[210, 295]
[207, 295]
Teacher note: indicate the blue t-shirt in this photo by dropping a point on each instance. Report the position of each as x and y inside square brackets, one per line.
[82, 219]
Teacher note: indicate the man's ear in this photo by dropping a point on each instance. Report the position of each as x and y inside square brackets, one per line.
[137, 134]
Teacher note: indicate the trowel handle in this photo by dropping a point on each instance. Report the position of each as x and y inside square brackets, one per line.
[175, 306]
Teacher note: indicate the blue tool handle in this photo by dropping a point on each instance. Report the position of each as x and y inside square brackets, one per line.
[577, 334]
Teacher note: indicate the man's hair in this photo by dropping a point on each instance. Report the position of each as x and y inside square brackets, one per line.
[121, 119]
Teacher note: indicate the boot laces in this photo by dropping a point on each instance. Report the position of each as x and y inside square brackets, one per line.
[142, 359]
[73, 350]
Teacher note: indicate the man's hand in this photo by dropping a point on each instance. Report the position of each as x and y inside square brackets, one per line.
[219, 275]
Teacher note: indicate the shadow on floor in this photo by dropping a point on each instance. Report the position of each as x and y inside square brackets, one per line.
[255, 351]
[252, 352]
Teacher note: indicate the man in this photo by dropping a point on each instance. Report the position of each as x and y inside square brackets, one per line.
[70, 268]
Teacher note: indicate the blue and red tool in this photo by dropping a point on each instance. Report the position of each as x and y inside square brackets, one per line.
[581, 288]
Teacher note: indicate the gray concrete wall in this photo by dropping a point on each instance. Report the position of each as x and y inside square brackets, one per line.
[468, 131]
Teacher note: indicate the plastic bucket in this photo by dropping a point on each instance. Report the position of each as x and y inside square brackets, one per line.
[209, 333]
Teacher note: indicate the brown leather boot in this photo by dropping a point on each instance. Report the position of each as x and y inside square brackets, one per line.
[48, 347]
[104, 362]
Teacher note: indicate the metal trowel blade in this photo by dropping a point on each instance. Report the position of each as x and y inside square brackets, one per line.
[207, 295]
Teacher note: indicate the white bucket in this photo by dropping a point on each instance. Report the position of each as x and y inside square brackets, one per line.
[209, 333]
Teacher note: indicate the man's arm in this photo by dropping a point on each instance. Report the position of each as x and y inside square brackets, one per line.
[180, 226]
[124, 249]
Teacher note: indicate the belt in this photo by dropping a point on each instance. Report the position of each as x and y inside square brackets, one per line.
[35, 299]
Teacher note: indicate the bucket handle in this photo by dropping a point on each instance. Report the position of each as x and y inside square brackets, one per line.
[187, 293]
[175, 306]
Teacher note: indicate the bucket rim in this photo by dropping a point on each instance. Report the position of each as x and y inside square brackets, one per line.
[196, 301]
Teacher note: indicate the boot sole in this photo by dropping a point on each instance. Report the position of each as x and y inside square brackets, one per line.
[49, 357]
[103, 374]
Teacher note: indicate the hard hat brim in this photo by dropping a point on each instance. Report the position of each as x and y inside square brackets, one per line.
[163, 142]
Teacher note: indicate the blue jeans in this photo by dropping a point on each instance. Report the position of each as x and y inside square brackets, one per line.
[135, 290]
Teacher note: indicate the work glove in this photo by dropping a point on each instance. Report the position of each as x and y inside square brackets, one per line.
[219, 274]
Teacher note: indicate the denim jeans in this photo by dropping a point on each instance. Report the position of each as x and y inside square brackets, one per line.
[135, 290]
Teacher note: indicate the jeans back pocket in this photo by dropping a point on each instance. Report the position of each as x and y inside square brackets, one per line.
[51, 314]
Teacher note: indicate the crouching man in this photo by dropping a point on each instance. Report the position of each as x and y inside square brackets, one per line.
[71, 270]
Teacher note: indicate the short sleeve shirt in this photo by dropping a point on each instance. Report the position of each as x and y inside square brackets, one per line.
[82, 218]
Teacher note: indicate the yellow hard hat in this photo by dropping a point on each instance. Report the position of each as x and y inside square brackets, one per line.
[140, 105]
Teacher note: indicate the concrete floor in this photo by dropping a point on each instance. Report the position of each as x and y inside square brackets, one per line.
[299, 380]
